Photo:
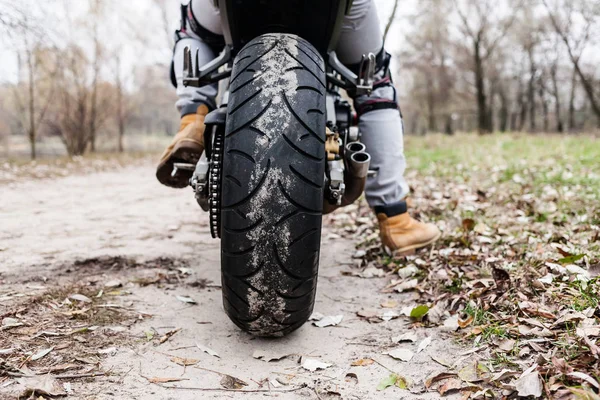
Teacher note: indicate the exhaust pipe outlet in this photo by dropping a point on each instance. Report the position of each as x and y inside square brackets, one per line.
[358, 164]
[355, 177]
[354, 147]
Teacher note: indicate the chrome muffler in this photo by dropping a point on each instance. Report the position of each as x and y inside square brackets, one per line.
[355, 175]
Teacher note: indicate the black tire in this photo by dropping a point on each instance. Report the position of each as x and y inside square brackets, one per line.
[273, 178]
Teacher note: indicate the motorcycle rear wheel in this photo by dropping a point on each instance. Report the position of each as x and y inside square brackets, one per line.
[272, 186]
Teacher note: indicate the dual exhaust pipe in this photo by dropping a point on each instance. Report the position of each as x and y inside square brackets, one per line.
[355, 175]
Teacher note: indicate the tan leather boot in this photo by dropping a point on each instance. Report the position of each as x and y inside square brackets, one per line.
[401, 233]
[186, 147]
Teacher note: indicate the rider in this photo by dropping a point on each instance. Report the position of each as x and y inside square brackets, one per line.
[380, 121]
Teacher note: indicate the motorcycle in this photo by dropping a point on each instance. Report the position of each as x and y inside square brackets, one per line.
[282, 149]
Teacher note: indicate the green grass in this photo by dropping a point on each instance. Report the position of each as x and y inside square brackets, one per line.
[561, 161]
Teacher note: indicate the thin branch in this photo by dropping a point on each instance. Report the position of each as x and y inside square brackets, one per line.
[390, 21]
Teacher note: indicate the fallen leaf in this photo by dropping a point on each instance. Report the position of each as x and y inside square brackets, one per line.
[311, 364]
[571, 259]
[230, 382]
[351, 377]
[536, 331]
[536, 309]
[184, 361]
[389, 304]
[463, 323]
[584, 377]
[359, 254]
[268, 356]
[389, 315]
[8, 323]
[362, 362]
[370, 272]
[41, 385]
[186, 299]
[419, 311]
[587, 328]
[451, 323]
[449, 386]
[41, 354]
[502, 375]
[401, 354]
[407, 272]
[108, 350]
[468, 224]
[207, 350]
[329, 320]
[406, 337]
[80, 297]
[529, 384]
[501, 277]
[165, 380]
[438, 377]
[407, 285]
[387, 382]
[441, 361]
[424, 343]
[507, 345]
[393, 380]
[469, 374]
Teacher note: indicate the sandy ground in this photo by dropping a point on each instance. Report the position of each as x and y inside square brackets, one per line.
[47, 224]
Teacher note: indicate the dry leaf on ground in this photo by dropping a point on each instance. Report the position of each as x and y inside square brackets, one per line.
[362, 362]
[230, 382]
[184, 361]
[41, 385]
[401, 354]
[311, 364]
[207, 350]
[269, 356]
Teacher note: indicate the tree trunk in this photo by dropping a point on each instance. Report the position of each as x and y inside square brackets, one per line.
[431, 109]
[32, 130]
[482, 112]
[531, 91]
[572, 102]
[555, 91]
[120, 110]
[545, 112]
[504, 112]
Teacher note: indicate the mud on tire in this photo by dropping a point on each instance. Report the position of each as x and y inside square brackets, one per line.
[273, 178]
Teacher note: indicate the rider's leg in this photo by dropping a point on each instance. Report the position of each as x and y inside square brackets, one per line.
[382, 130]
[193, 103]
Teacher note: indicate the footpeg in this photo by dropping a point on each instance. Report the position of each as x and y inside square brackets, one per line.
[183, 167]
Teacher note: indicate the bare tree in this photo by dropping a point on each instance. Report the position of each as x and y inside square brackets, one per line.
[484, 34]
[34, 66]
[389, 22]
[576, 44]
[123, 107]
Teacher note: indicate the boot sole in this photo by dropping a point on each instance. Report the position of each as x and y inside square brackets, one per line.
[411, 249]
[185, 151]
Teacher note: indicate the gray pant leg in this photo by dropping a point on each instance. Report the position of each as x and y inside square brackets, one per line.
[382, 129]
[360, 34]
[382, 133]
[190, 97]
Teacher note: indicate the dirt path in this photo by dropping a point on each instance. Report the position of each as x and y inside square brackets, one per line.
[46, 225]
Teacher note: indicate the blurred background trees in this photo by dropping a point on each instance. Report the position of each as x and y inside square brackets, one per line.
[87, 75]
[501, 65]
